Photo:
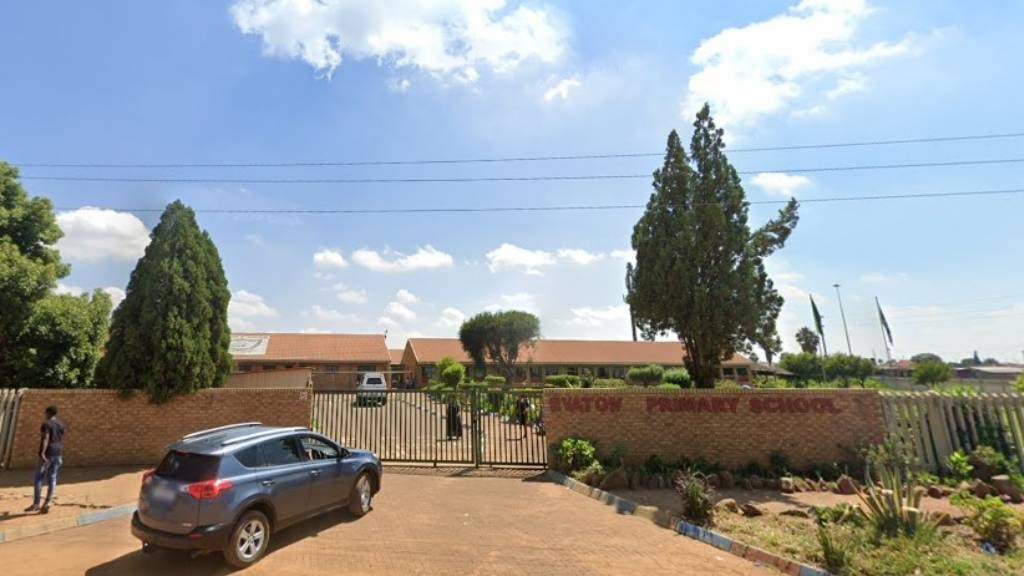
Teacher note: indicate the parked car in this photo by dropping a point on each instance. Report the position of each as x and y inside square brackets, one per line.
[229, 489]
[372, 389]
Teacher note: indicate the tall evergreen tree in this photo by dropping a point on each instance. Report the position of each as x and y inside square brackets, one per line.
[29, 265]
[699, 266]
[170, 335]
[808, 340]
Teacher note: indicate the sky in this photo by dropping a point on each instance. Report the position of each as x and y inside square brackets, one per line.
[272, 81]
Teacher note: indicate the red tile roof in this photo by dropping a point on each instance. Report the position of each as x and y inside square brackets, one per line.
[396, 355]
[312, 347]
[606, 352]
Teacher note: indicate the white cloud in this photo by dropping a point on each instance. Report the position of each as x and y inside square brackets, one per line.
[350, 296]
[94, 234]
[593, 317]
[562, 89]
[425, 258]
[510, 256]
[780, 183]
[116, 294]
[406, 297]
[767, 66]
[579, 257]
[451, 317]
[385, 321]
[400, 85]
[331, 315]
[881, 278]
[518, 301]
[245, 304]
[400, 311]
[329, 259]
[452, 39]
[624, 255]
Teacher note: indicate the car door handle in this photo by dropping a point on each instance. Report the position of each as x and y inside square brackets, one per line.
[268, 483]
[314, 473]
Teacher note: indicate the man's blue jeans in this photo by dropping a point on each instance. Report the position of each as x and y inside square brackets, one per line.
[47, 471]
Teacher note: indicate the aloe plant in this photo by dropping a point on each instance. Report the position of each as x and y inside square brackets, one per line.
[895, 507]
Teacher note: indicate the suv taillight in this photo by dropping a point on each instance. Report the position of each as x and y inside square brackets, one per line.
[148, 474]
[208, 489]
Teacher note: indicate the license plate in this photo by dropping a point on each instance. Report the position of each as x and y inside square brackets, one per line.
[161, 495]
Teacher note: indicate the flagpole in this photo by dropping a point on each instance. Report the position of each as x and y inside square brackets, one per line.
[842, 313]
[881, 326]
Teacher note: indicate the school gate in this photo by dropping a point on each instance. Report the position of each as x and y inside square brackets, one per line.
[475, 427]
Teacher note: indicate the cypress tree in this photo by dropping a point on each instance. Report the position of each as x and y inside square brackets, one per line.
[699, 268]
[170, 335]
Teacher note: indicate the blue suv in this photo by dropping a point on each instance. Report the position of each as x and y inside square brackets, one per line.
[229, 488]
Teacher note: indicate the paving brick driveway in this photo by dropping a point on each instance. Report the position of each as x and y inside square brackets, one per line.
[421, 524]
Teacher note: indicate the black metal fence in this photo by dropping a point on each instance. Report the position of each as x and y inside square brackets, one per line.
[478, 427]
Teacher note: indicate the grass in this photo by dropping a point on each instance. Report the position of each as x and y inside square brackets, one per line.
[944, 552]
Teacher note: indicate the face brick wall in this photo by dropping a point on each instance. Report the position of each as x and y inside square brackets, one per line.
[104, 429]
[731, 428]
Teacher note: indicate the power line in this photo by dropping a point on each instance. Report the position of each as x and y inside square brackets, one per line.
[564, 208]
[463, 180]
[490, 160]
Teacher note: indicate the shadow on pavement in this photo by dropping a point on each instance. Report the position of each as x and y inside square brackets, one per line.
[23, 477]
[172, 562]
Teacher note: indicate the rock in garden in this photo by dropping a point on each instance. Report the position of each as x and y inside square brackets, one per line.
[786, 485]
[750, 510]
[756, 482]
[845, 485]
[1006, 487]
[981, 489]
[729, 505]
[944, 519]
[795, 512]
[726, 481]
[801, 485]
[934, 491]
[771, 483]
[615, 480]
[747, 484]
[713, 480]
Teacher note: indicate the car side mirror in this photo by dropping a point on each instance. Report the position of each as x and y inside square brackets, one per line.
[342, 454]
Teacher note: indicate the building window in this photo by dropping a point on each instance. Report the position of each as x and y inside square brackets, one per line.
[520, 373]
[602, 372]
[245, 367]
[366, 368]
[728, 373]
[479, 373]
[551, 370]
[267, 367]
[618, 372]
[534, 372]
[572, 371]
[428, 373]
[332, 368]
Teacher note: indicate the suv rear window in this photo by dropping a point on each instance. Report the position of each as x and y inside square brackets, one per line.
[188, 467]
[374, 382]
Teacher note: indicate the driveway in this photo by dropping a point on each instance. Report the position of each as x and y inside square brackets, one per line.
[421, 524]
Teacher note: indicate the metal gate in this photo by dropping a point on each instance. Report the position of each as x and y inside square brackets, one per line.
[477, 427]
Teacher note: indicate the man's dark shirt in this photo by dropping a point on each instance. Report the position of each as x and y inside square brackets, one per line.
[54, 430]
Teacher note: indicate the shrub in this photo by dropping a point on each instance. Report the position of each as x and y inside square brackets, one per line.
[827, 471]
[453, 375]
[727, 385]
[959, 466]
[564, 381]
[592, 474]
[772, 382]
[646, 376]
[779, 462]
[698, 498]
[667, 386]
[988, 462]
[847, 367]
[931, 372]
[962, 389]
[842, 513]
[892, 454]
[576, 453]
[655, 465]
[895, 508]
[1018, 384]
[495, 380]
[836, 549]
[609, 383]
[992, 520]
[678, 376]
[438, 391]
[804, 365]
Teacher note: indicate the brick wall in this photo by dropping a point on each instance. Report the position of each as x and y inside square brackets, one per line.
[104, 429]
[731, 428]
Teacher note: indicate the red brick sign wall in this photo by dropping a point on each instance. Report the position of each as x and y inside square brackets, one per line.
[731, 428]
[104, 429]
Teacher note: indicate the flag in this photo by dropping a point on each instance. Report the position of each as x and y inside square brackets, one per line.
[885, 325]
[820, 327]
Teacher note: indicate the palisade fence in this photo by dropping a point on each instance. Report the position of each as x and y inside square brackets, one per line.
[935, 425]
[9, 401]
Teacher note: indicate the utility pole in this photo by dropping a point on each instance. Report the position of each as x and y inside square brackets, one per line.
[842, 313]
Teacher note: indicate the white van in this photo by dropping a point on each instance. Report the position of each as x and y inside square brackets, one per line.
[372, 388]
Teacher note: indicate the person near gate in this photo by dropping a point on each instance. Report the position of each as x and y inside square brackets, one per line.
[51, 457]
[522, 413]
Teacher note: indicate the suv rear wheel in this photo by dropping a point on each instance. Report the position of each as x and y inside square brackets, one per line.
[249, 540]
[361, 497]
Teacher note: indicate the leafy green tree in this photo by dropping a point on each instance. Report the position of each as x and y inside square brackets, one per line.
[63, 339]
[699, 268]
[848, 367]
[170, 335]
[450, 371]
[647, 376]
[29, 265]
[808, 340]
[678, 376]
[931, 372]
[804, 365]
[499, 337]
[925, 357]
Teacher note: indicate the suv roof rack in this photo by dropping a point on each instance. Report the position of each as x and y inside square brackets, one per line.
[195, 435]
[262, 433]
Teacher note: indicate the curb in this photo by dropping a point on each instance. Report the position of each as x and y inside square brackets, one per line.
[666, 520]
[59, 524]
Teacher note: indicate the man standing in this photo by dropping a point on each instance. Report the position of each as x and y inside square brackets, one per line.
[51, 451]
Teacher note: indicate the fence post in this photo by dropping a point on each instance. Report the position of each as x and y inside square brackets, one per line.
[475, 431]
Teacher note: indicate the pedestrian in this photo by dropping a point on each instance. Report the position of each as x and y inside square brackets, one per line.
[453, 418]
[51, 457]
[522, 413]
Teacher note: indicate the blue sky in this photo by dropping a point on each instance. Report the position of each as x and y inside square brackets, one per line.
[261, 80]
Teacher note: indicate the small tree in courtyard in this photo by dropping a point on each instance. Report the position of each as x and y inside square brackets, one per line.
[646, 376]
[170, 335]
[499, 337]
[808, 340]
[931, 372]
[699, 267]
[450, 371]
